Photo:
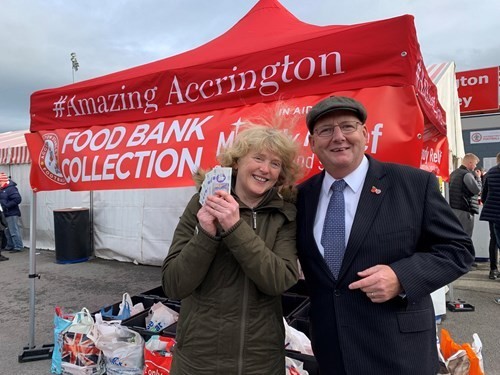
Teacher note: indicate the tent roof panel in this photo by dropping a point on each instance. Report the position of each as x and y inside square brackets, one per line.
[269, 38]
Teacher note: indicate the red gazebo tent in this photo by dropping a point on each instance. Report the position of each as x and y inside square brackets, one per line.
[152, 125]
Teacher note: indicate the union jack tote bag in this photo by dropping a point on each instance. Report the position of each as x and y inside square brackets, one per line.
[79, 355]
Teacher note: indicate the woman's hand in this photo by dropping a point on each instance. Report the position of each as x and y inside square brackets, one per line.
[207, 221]
[224, 208]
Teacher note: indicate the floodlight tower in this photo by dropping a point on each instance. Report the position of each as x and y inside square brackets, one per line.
[74, 64]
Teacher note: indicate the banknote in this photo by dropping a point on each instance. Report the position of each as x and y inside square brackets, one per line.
[218, 178]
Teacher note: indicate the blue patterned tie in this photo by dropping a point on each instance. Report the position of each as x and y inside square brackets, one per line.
[333, 236]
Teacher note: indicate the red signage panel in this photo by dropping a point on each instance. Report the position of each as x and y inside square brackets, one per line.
[165, 152]
[478, 90]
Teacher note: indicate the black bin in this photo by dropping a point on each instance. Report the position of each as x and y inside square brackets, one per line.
[72, 235]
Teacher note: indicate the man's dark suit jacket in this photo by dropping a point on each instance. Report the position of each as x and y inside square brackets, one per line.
[408, 226]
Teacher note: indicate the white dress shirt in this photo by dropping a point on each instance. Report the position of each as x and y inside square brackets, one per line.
[352, 192]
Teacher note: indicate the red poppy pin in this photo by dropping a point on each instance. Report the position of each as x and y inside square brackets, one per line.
[375, 190]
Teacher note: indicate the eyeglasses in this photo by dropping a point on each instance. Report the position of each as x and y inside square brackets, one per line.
[346, 127]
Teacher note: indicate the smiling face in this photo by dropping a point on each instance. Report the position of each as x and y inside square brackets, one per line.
[258, 171]
[341, 153]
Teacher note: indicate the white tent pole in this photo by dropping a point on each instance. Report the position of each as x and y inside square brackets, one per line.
[30, 353]
[92, 250]
[32, 272]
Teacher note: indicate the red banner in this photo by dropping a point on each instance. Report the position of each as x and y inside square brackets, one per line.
[478, 90]
[435, 152]
[164, 152]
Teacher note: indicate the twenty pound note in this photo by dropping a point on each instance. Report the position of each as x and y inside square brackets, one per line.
[218, 178]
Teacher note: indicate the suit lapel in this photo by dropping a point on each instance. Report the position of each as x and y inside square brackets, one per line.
[373, 193]
[311, 199]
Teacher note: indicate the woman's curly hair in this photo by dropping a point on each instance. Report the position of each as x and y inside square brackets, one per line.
[265, 136]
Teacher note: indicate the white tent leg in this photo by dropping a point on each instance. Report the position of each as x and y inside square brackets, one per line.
[32, 271]
[30, 353]
[92, 245]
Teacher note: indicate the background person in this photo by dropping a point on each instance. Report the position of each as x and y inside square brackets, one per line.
[464, 192]
[493, 253]
[492, 246]
[491, 211]
[3, 227]
[232, 258]
[373, 314]
[10, 199]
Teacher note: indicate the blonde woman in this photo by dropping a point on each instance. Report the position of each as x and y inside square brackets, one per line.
[232, 258]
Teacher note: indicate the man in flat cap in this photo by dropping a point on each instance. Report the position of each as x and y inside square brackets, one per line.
[374, 240]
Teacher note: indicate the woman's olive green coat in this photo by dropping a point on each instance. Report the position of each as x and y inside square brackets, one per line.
[231, 319]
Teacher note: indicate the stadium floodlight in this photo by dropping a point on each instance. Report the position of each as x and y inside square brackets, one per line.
[74, 64]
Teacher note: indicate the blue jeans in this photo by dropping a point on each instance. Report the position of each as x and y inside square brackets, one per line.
[14, 238]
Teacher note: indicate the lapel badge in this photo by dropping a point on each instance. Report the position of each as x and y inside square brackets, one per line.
[375, 190]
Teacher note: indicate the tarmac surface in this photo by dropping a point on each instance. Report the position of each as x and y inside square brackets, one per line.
[97, 283]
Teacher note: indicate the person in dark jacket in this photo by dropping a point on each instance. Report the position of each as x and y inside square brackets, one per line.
[10, 200]
[464, 192]
[374, 241]
[3, 227]
[232, 258]
[491, 209]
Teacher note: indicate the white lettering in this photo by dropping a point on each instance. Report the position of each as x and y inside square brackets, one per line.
[113, 102]
[164, 164]
[72, 107]
[465, 100]
[223, 143]
[119, 173]
[176, 90]
[138, 135]
[69, 140]
[425, 154]
[113, 142]
[264, 80]
[376, 134]
[472, 81]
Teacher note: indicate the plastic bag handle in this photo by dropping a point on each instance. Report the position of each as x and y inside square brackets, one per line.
[126, 298]
[83, 315]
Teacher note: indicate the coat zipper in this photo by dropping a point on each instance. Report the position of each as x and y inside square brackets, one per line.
[243, 326]
[244, 312]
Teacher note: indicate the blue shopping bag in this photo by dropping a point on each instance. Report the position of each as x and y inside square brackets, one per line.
[61, 322]
[124, 311]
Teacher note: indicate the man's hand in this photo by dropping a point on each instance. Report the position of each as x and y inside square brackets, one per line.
[379, 282]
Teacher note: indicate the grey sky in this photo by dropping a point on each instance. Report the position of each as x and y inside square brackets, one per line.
[37, 36]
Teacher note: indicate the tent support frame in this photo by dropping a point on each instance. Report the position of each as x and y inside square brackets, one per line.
[30, 352]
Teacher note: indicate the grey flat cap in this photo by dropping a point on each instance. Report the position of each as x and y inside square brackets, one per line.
[335, 103]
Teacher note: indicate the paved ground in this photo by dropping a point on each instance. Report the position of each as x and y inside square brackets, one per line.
[91, 284]
[99, 282]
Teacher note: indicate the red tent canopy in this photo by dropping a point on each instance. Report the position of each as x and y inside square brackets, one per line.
[269, 55]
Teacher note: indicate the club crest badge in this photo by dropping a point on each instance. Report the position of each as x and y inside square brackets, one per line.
[49, 161]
